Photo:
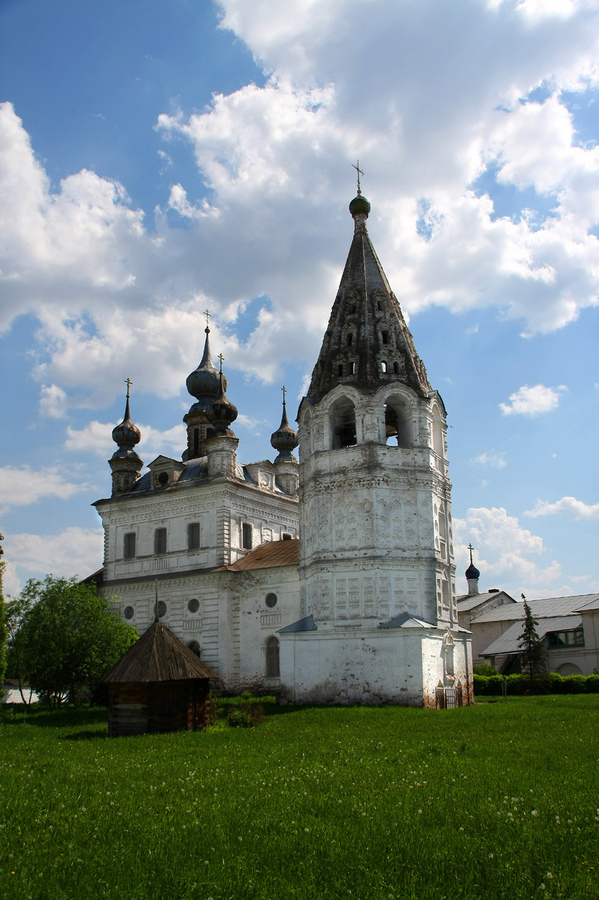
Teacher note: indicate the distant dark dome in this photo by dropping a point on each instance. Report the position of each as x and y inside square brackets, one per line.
[204, 382]
[359, 205]
[284, 439]
[222, 412]
[472, 571]
[126, 434]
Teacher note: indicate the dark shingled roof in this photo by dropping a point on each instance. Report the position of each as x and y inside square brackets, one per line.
[158, 656]
[268, 555]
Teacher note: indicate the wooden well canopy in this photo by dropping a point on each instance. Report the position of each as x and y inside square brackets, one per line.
[159, 684]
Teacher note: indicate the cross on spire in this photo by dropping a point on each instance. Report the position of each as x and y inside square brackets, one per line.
[128, 382]
[207, 314]
[471, 548]
[284, 389]
[222, 359]
[358, 172]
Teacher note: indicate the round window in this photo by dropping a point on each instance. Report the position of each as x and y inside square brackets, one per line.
[163, 478]
[271, 600]
[161, 608]
[193, 605]
[194, 647]
[129, 612]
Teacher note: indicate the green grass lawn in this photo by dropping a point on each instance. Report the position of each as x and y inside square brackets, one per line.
[494, 801]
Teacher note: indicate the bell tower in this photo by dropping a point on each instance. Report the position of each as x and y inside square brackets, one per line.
[374, 489]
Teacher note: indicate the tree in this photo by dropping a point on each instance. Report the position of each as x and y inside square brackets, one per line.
[2, 625]
[66, 637]
[533, 654]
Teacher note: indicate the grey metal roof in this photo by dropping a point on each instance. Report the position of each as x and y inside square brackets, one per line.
[508, 642]
[471, 601]
[305, 624]
[550, 606]
[405, 620]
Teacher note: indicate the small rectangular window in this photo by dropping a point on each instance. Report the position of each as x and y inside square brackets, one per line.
[352, 368]
[129, 545]
[246, 536]
[160, 541]
[385, 337]
[193, 536]
[286, 537]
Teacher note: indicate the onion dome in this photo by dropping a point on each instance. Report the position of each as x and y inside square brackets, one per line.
[204, 382]
[126, 434]
[359, 206]
[471, 571]
[284, 439]
[222, 412]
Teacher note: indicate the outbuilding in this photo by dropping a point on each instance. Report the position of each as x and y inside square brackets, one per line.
[158, 685]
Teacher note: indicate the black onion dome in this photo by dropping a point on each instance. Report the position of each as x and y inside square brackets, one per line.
[359, 206]
[223, 412]
[126, 434]
[284, 439]
[204, 382]
[472, 571]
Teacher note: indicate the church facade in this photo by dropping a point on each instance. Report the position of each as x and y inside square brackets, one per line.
[327, 581]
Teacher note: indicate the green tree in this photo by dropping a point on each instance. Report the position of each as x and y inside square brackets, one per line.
[533, 655]
[2, 624]
[67, 637]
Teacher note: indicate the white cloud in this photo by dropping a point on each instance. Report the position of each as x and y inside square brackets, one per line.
[531, 401]
[53, 402]
[425, 114]
[75, 551]
[505, 553]
[492, 458]
[96, 437]
[569, 506]
[23, 486]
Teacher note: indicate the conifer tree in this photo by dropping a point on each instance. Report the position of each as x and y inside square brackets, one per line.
[533, 654]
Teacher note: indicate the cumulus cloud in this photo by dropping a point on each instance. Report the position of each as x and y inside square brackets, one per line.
[75, 551]
[506, 554]
[568, 506]
[426, 115]
[23, 486]
[96, 437]
[531, 401]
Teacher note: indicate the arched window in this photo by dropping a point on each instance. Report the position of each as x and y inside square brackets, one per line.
[195, 648]
[272, 657]
[398, 427]
[343, 424]
[438, 442]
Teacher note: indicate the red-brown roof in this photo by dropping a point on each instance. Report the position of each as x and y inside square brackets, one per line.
[158, 656]
[269, 555]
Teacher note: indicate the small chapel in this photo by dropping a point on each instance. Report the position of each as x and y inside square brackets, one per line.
[329, 580]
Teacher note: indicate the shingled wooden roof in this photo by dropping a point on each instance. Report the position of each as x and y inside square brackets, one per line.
[158, 656]
[269, 555]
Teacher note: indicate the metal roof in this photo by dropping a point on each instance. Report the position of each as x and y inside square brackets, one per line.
[508, 642]
[550, 606]
[267, 556]
[471, 601]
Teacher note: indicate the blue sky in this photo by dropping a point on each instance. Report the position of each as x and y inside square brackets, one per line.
[160, 158]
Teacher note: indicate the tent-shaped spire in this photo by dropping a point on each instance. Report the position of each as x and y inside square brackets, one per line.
[367, 342]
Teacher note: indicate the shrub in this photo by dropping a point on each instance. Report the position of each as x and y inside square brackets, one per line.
[485, 670]
[245, 712]
[592, 684]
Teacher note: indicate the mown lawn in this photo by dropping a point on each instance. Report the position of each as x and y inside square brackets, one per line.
[495, 801]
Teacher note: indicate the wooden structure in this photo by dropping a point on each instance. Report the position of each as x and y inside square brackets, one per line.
[158, 685]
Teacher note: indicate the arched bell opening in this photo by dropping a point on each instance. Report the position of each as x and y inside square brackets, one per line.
[398, 426]
[343, 424]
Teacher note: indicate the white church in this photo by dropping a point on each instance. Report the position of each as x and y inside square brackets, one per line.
[328, 581]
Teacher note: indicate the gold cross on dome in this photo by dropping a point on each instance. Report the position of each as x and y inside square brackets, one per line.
[358, 172]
